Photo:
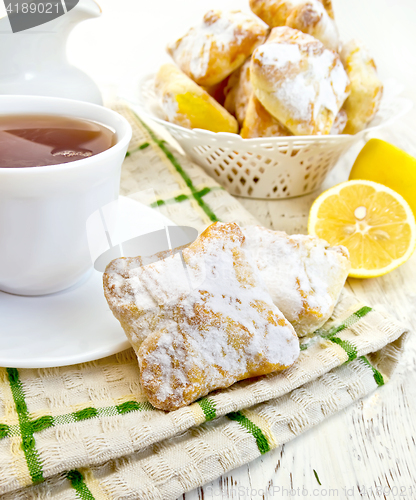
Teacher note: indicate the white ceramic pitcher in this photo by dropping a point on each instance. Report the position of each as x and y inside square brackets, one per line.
[34, 62]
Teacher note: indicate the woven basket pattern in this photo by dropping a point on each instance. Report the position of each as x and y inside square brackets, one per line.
[267, 168]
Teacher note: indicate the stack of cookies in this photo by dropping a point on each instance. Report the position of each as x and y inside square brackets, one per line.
[278, 71]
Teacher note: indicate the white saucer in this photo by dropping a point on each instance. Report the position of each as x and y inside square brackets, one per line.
[72, 326]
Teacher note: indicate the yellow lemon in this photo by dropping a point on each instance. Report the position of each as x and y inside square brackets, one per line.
[374, 222]
[382, 162]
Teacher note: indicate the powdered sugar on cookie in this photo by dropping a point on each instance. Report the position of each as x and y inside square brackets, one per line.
[280, 55]
[210, 49]
[214, 322]
[303, 274]
[299, 81]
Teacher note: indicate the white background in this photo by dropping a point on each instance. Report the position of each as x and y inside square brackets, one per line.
[130, 37]
[128, 40]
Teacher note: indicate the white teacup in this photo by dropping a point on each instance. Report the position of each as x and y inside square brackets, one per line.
[43, 210]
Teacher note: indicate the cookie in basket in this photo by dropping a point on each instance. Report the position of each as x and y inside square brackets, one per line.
[259, 122]
[366, 87]
[340, 122]
[210, 52]
[303, 274]
[311, 17]
[241, 102]
[210, 321]
[187, 104]
[273, 12]
[276, 12]
[238, 91]
[300, 82]
[254, 119]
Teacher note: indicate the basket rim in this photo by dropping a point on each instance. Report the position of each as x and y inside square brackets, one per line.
[138, 105]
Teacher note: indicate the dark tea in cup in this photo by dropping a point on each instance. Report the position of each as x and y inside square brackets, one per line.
[41, 140]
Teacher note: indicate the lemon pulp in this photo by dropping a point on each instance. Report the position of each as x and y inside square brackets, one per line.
[375, 224]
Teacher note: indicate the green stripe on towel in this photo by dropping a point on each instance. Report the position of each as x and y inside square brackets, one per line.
[77, 482]
[330, 334]
[26, 427]
[4, 431]
[106, 411]
[184, 197]
[346, 323]
[350, 349]
[139, 148]
[261, 440]
[378, 377]
[205, 207]
[208, 407]
[47, 421]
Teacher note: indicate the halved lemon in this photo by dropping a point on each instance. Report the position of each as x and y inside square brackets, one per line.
[374, 222]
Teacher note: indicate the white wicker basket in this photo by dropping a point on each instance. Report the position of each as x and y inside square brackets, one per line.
[276, 167]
